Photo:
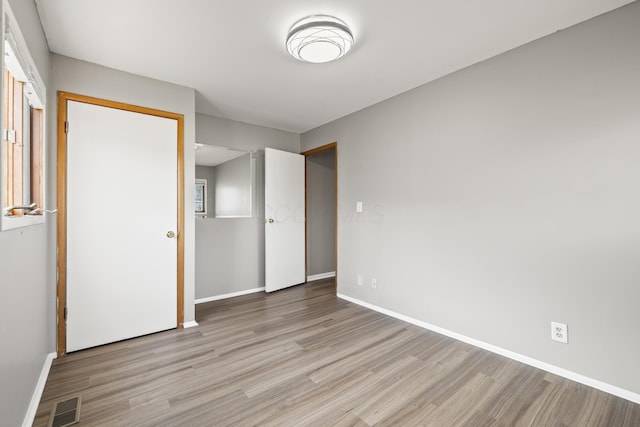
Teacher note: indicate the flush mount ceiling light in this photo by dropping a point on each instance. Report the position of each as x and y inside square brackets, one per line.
[318, 39]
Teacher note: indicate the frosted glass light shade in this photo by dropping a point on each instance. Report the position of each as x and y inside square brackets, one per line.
[318, 39]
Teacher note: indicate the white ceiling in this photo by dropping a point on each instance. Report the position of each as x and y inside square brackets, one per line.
[232, 51]
[209, 155]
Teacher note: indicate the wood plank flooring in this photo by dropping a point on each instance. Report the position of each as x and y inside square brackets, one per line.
[302, 357]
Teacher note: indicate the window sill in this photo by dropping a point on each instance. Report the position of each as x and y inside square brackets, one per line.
[10, 223]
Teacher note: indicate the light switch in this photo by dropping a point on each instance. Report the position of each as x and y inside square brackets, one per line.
[358, 206]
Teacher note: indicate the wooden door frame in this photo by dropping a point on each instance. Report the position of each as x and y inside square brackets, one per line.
[307, 154]
[63, 98]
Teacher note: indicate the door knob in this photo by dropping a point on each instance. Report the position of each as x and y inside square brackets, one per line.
[171, 234]
[270, 221]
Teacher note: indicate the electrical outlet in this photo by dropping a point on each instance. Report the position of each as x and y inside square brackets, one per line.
[360, 280]
[559, 332]
[374, 284]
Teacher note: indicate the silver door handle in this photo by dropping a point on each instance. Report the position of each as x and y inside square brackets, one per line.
[271, 221]
[171, 234]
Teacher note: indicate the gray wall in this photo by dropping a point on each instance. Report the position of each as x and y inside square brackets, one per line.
[227, 133]
[25, 309]
[321, 212]
[229, 255]
[505, 196]
[230, 252]
[234, 176]
[84, 78]
[26, 306]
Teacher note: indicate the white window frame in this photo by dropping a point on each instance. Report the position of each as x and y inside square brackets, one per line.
[13, 36]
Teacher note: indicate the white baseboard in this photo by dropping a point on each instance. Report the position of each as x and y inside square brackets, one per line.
[191, 324]
[597, 384]
[231, 295]
[321, 276]
[37, 392]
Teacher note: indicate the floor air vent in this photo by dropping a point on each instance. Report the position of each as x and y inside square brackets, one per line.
[65, 413]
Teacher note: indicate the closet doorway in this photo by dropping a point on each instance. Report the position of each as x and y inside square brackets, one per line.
[321, 184]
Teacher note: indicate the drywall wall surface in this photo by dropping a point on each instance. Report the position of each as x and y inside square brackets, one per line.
[227, 133]
[230, 251]
[321, 213]
[233, 187]
[88, 79]
[505, 196]
[229, 255]
[24, 318]
[26, 306]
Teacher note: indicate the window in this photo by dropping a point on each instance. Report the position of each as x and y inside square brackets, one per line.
[22, 135]
[22, 150]
[201, 197]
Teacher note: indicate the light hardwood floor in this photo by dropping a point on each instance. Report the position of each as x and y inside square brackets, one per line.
[302, 357]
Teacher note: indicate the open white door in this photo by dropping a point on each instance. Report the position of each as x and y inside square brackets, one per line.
[284, 225]
[121, 224]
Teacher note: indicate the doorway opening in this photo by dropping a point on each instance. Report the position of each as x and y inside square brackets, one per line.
[321, 206]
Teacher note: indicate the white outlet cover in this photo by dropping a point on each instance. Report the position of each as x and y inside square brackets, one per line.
[358, 207]
[360, 282]
[559, 332]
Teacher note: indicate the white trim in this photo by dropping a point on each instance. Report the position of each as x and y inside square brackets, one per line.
[321, 276]
[191, 324]
[37, 392]
[231, 295]
[14, 37]
[13, 222]
[608, 388]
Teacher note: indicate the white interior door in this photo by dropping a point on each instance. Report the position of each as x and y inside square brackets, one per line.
[284, 225]
[121, 204]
